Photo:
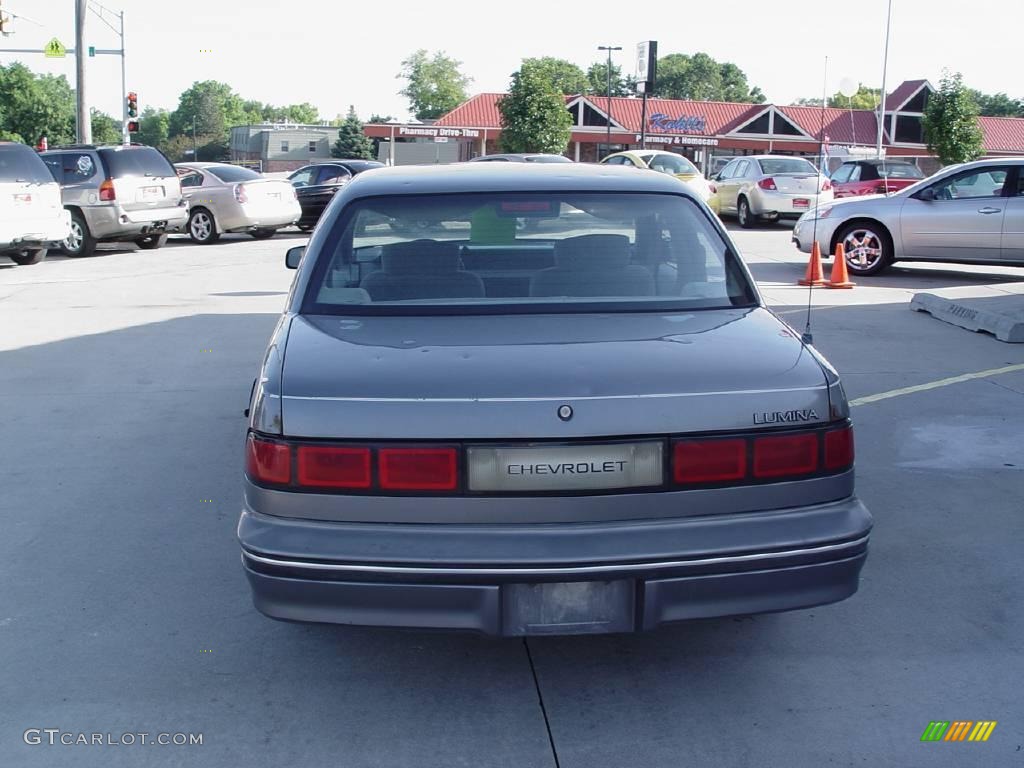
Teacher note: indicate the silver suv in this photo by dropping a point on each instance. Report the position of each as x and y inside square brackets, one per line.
[116, 193]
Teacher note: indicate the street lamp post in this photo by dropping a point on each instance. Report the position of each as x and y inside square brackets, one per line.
[608, 93]
[881, 101]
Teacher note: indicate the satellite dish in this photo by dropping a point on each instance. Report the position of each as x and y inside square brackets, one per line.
[848, 87]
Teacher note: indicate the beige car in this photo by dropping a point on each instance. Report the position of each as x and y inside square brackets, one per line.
[230, 198]
[659, 160]
[768, 188]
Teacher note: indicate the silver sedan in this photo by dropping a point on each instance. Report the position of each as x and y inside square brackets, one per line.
[593, 426]
[231, 198]
[971, 213]
[769, 188]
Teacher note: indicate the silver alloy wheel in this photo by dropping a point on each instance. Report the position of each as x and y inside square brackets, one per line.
[743, 213]
[74, 240]
[863, 248]
[201, 225]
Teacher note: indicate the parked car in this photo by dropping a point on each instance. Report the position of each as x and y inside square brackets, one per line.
[229, 198]
[666, 162]
[32, 217]
[317, 184]
[717, 163]
[769, 187]
[599, 429]
[874, 177]
[116, 194]
[521, 157]
[971, 213]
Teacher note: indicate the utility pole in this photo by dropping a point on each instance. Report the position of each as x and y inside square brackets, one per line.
[82, 105]
[885, 67]
[195, 146]
[608, 93]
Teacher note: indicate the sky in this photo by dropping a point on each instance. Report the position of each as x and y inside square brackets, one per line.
[334, 53]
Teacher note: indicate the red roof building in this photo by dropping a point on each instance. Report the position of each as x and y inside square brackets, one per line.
[703, 129]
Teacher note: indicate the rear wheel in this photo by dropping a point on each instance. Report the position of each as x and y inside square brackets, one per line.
[263, 234]
[868, 248]
[80, 242]
[32, 256]
[151, 242]
[304, 227]
[202, 228]
[743, 214]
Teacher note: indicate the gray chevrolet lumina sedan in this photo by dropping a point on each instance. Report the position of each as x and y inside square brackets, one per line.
[591, 424]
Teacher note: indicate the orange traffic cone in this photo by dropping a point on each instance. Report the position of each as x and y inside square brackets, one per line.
[840, 277]
[814, 275]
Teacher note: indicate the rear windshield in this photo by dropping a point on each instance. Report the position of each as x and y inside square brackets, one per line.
[135, 161]
[899, 171]
[231, 173]
[547, 159]
[779, 166]
[524, 252]
[670, 164]
[19, 163]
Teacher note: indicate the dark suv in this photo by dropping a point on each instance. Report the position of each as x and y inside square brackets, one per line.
[116, 193]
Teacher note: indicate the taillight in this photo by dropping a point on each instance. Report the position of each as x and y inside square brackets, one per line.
[767, 183]
[709, 461]
[415, 469]
[839, 449]
[330, 467]
[785, 455]
[240, 193]
[713, 188]
[268, 462]
[107, 190]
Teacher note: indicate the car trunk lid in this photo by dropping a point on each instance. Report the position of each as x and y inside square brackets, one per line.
[142, 178]
[506, 377]
[797, 183]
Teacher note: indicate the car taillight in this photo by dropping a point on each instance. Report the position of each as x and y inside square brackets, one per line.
[330, 467]
[107, 190]
[268, 462]
[767, 183]
[709, 461]
[713, 188]
[240, 194]
[413, 469]
[839, 449]
[785, 455]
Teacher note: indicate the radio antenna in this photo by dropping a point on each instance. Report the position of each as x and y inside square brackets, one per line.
[806, 337]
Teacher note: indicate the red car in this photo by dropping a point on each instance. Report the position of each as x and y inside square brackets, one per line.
[874, 177]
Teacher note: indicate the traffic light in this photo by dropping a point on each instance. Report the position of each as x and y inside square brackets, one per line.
[133, 104]
[133, 126]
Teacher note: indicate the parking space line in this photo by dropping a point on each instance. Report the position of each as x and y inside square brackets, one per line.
[936, 384]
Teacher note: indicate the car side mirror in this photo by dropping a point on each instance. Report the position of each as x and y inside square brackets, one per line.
[926, 194]
[293, 256]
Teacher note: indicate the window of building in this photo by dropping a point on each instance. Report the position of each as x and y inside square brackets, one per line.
[312, 146]
[908, 130]
[574, 110]
[592, 117]
[917, 104]
[284, 146]
[784, 127]
[760, 125]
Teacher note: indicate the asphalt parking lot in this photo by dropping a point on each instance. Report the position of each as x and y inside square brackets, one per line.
[123, 606]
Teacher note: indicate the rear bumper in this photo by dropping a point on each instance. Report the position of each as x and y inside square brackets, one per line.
[111, 222]
[34, 233]
[781, 204]
[242, 218]
[567, 579]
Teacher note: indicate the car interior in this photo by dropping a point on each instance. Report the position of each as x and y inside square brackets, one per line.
[498, 259]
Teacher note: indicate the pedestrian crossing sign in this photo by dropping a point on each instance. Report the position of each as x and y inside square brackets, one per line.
[55, 49]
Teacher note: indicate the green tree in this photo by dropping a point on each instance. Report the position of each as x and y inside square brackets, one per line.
[533, 114]
[352, 142]
[950, 122]
[105, 129]
[434, 85]
[566, 77]
[701, 78]
[735, 86]
[597, 77]
[997, 104]
[214, 106]
[153, 127]
[36, 105]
